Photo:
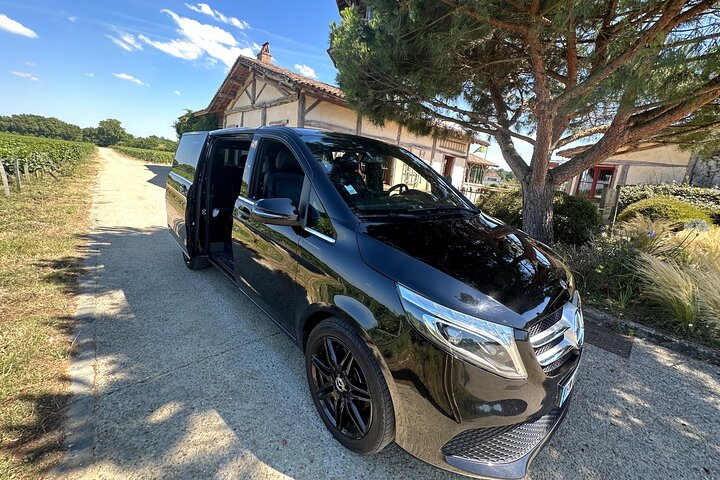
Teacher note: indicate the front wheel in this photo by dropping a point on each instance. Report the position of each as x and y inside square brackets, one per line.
[348, 388]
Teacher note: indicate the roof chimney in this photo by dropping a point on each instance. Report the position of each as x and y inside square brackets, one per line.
[264, 54]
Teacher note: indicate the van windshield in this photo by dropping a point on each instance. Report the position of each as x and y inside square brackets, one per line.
[375, 178]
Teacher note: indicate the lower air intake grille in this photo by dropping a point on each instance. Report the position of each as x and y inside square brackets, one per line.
[501, 444]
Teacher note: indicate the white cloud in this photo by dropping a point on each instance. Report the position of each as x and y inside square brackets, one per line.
[29, 76]
[306, 70]
[72, 18]
[177, 92]
[129, 78]
[10, 25]
[90, 74]
[198, 38]
[176, 48]
[124, 40]
[30, 64]
[205, 9]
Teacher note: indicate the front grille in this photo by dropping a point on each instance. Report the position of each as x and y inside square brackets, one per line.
[501, 444]
[552, 341]
[545, 322]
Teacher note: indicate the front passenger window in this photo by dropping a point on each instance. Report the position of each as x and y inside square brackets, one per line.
[280, 174]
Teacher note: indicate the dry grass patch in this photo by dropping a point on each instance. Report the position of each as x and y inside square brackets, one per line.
[41, 230]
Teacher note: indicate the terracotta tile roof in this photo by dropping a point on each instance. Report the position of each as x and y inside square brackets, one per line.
[472, 158]
[244, 66]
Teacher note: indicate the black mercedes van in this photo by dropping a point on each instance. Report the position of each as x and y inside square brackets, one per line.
[423, 320]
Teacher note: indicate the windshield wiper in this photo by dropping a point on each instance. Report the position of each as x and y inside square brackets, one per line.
[414, 212]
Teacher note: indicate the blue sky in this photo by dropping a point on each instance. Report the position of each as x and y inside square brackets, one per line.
[144, 62]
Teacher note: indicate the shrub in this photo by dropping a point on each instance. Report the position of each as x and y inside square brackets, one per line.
[707, 198]
[665, 208]
[603, 266]
[507, 206]
[575, 219]
[150, 156]
[671, 290]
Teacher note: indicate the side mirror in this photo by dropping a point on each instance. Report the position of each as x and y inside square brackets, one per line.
[275, 211]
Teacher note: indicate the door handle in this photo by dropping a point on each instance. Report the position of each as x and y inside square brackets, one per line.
[243, 214]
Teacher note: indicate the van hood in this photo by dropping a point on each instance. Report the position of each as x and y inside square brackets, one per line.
[475, 264]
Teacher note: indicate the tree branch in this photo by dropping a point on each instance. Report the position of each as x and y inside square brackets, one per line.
[671, 17]
[470, 12]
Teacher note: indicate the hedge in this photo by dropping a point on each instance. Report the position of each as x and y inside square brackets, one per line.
[575, 219]
[665, 208]
[150, 156]
[708, 198]
[40, 154]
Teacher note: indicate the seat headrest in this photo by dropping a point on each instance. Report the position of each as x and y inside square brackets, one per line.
[286, 162]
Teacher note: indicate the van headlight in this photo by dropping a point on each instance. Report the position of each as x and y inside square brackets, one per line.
[487, 345]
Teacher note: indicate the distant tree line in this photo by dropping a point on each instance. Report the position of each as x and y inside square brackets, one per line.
[108, 132]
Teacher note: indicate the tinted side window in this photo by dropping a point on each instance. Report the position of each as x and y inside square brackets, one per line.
[317, 217]
[278, 175]
[187, 155]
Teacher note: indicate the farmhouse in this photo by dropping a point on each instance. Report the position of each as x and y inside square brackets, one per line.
[650, 163]
[257, 92]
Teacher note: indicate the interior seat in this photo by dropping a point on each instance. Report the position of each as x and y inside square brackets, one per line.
[285, 177]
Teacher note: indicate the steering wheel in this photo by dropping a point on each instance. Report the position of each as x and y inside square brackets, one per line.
[400, 186]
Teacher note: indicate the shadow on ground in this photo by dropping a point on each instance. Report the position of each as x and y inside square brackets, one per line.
[193, 380]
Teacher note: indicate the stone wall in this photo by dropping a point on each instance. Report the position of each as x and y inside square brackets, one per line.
[704, 172]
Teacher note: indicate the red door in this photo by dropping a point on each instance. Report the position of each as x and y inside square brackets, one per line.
[448, 165]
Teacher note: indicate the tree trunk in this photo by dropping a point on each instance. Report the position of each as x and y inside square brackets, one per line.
[537, 211]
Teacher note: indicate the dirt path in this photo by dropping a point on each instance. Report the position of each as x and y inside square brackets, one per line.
[187, 379]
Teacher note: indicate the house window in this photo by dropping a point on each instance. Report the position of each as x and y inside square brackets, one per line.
[594, 180]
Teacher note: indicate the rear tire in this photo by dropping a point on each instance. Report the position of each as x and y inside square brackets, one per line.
[348, 388]
[194, 262]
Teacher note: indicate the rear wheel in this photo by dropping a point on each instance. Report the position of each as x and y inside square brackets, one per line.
[194, 262]
[348, 388]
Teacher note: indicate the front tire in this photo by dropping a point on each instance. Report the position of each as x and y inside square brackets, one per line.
[348, 388]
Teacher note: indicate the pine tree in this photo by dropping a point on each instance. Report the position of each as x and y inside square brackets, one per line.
[549, 73]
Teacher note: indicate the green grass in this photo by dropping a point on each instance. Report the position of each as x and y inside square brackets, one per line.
[41, 228]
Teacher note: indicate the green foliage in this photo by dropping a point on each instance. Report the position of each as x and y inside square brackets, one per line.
[707, 198]
[39, 126]
[89, 135]
[668, 278]
[575, 219]
[150, 156]
[507, 206]
[153, 142]
[671, 209]
[188, 122]
[109, 132]
[503, 68]
[602, 266]
[41, 154]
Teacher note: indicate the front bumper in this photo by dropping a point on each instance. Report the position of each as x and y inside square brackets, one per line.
[502, 452]
[464, 419]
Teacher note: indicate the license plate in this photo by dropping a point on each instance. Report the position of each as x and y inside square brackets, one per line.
[567, 388]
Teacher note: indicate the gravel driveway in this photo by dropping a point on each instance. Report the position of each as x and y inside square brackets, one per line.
[186, 378]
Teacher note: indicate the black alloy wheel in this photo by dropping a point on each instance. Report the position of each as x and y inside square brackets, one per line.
[341, 387]
[348, 387]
